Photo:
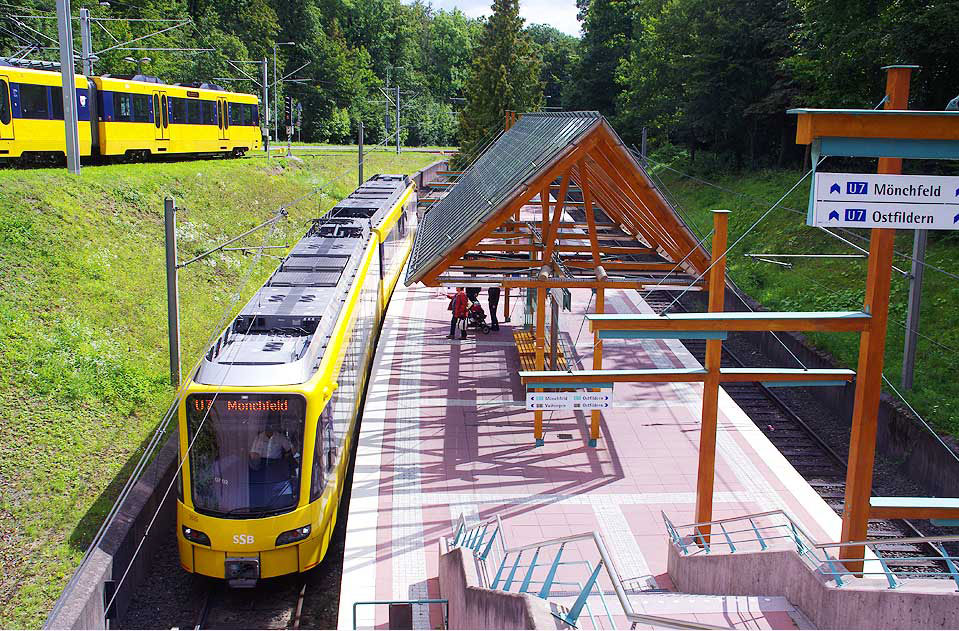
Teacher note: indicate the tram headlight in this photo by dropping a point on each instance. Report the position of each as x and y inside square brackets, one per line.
[194, 535]
[290, 536]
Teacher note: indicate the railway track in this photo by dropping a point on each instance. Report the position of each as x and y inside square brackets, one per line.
[822, 466]
[273, 604]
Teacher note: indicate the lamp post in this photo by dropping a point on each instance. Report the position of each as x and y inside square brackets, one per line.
[138, 62]
[276, 88]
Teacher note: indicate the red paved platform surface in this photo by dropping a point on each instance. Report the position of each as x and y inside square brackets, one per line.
[445, 432]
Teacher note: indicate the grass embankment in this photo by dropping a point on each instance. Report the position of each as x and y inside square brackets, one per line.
[836, 284]
[83, 347]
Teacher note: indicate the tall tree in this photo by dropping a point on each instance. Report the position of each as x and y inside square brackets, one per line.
[505, 76]
[560, 54]
[607, 29]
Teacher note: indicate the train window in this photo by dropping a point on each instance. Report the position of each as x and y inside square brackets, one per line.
[122, 108]
[208, 109]
[56, 103]
[324, 429]
[141, 108]
[193, 116]
[4, 103]
[164, 110]
[236, 113]
[156, 110]
[33, 101]
[224, 114]
[254, 116]
[178, 110]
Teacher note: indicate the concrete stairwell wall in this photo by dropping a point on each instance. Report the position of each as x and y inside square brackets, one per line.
[472, 606]
[858, 604]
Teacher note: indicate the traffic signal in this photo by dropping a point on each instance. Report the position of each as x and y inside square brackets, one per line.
[288, 111]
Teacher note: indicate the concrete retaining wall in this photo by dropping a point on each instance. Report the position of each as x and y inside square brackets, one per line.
[900, 436]
[859, 604]
[428, 174]
[472, 606]
[81, 605]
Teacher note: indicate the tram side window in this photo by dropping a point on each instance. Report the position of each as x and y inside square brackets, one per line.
[250, 115]
[122, 108]
[177, 110]
[236, 113]
[56, 103]
[156, 110]
[141, 108]
[193, 114]
[4, 103]
[208, 109]
[33, 101]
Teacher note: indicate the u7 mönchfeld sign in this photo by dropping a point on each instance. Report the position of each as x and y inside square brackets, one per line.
[860, 200]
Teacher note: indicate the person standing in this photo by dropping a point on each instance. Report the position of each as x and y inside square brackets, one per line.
[459, 305]
[492, 298]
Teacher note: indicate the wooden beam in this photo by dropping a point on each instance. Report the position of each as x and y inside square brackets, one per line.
[561, 247]
[540, 358]
[706, 472]
[589, 283]
[872, 344]
[622, 265]
[590, 217]
[595, 416]
[814, 124]
[836, 321]
[549, 235]
[686, 375]
[914, 508]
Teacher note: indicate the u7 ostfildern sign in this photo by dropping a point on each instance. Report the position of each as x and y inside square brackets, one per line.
[870, 200]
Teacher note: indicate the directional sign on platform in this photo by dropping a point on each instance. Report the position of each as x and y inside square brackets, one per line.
[855, 200]
[567, 400]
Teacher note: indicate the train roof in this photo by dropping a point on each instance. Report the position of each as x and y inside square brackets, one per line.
[279, 337]
[147, 84]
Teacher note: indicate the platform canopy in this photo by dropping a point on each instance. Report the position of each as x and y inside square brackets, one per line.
[599, 208]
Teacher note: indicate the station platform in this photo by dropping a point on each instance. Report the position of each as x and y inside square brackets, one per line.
[445, 433]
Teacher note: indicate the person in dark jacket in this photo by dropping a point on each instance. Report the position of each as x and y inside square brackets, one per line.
[492, 297]
[459, 305]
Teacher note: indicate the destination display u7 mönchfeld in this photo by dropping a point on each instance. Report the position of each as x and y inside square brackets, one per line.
[861, 200]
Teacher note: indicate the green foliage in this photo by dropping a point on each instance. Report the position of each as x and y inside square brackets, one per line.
[505, 76]
[718, 76]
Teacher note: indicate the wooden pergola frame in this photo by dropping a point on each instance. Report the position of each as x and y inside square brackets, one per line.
[600, 168]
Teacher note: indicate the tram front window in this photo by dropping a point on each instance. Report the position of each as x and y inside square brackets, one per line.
[246, 452]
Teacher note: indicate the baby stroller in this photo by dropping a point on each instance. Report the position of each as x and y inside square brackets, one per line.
[476, 318]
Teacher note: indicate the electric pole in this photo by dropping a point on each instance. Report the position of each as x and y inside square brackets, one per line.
[86, 43]
[65, 31]
[397, 118]
[172, 291]
[266, 108]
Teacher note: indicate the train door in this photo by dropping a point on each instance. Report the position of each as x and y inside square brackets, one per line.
[161, 122]
[223, 118]
[6, 110]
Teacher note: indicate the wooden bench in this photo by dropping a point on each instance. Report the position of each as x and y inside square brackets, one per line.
[526, 345]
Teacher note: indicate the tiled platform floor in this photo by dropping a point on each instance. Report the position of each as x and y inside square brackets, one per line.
[445, 432]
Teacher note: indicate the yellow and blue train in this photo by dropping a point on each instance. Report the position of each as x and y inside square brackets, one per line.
[131, 118]
[269, 418]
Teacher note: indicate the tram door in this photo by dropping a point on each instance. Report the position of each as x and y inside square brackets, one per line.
[223, 119]
[6, 110]
[161, 119]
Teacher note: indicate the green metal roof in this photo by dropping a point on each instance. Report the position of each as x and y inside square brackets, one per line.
[516, 158]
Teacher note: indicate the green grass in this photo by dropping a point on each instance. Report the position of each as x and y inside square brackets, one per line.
[83, 350]
[836, 284]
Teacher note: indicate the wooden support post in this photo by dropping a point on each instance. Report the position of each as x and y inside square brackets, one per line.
[540, 358]
[596, 415]
[506, 304]
[707, 435]
[872, 344]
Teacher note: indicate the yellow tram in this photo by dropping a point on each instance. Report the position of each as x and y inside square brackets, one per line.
[130, 117]
[269, 418]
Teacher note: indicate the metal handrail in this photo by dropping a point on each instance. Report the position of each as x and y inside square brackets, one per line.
[806, 546]
[606, 561]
